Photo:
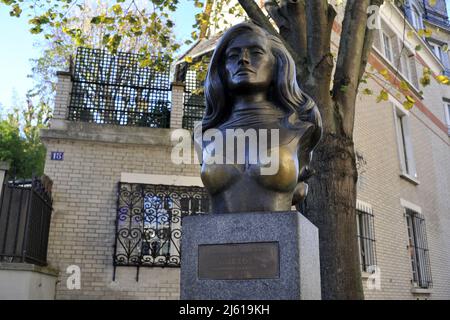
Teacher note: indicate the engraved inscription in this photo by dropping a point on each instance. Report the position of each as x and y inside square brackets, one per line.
[242, 261]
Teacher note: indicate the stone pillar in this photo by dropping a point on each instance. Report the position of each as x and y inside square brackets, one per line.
[62, 100]
[250, 256]
[4, 167]
[176, 115]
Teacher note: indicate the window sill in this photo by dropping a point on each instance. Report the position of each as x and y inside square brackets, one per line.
[365, 275]
[421, 291]
[409, 178]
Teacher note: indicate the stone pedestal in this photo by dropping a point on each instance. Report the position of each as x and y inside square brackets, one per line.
[250, 256]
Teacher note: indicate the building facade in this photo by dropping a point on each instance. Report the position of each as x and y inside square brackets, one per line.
[118, 197]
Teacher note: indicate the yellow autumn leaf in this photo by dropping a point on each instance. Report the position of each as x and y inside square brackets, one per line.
[432, 2]
[443, 79]
[188, 59]
[410, 99]
[404, 85]
[425, 33]
[385, 74]
[408, 105]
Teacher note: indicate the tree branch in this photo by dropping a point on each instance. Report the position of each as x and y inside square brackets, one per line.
[349, 63]
[368, 42]
[318, 31]
[295, 32]
[255, 13]
[258, 17]
[275, 13]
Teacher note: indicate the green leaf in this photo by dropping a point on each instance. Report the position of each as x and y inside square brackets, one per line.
[383, 96]
[96, 20]
[16, 11]
[199, 4]
[117, 9]
[367, 91]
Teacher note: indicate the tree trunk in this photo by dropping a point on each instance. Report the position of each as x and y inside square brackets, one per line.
[305, 27]
[331, 207]
[331, 200]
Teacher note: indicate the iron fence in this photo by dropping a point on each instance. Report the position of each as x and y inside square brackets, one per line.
[115, 89]
[418, 249]
[148, 223]
[25, 212]
[194, 100]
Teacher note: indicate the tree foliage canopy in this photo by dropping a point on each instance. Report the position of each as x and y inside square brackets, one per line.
[19, 139]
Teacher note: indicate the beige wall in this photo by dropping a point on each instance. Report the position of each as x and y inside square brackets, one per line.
[381, 186]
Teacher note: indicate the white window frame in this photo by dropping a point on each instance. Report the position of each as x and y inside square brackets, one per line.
[419, 263]
[406, 66]
[404, 142]
[417, 20]
[388, 49]
[437, 50]
[447, 114]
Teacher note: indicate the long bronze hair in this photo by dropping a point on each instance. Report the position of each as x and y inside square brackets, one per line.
[284, 93]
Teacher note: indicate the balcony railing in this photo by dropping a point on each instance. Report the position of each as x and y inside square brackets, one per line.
[114, 89]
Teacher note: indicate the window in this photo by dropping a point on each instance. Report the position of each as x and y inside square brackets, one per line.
[416, 18]
[388, 53]
[405, 150]
[447, 115]
[437, 49]
[418, 249]
[148, 223]
[406, 66]
[366, 236]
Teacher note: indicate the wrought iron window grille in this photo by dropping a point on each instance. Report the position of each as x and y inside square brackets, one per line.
[418, 250]
[148, 223]
[366, 238]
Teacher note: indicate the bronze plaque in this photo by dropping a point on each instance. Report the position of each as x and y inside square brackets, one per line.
[242, 261]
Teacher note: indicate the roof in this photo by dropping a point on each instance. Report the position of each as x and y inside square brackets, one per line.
[201, 47]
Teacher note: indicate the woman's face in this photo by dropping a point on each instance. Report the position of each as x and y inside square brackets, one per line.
[249, 63]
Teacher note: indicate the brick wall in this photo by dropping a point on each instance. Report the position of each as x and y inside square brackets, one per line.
[381, 186]
[82, 230]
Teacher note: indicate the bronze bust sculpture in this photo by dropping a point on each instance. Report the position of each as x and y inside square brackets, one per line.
[251, 84]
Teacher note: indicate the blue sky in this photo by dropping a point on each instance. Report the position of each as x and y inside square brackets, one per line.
[17, 49]
[15, 52]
